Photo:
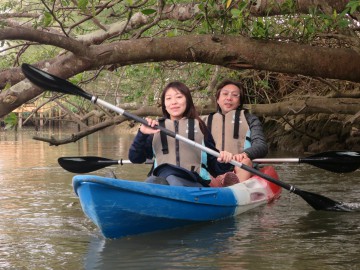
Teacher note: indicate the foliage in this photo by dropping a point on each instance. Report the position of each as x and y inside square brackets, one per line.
[352, 6]
[143, 82]
[290, 25]
[11, 121]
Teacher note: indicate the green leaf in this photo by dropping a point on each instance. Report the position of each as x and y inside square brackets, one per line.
[47, 20]
[11, 120]
[148, 11]
[236, 13]
[129, 2]
[65, 2]
[343, 23]
[82, 4]
[354, 5]
[172, 33]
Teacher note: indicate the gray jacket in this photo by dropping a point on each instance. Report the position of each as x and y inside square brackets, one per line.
[259, 147]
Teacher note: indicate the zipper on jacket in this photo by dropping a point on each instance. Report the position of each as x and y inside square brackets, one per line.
[177, 147]
[223, 133]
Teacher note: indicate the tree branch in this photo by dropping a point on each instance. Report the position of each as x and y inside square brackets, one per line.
[30, 34]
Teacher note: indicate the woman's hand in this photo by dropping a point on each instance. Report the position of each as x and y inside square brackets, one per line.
[149, 129]
[241, 157]
[225, 157]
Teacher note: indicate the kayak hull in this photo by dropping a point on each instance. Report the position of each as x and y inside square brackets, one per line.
[121, 207]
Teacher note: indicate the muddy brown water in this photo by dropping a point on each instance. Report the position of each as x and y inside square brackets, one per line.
[42, 225]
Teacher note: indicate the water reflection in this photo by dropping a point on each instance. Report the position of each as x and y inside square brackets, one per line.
[193, 246]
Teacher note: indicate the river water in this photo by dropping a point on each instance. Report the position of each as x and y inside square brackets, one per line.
[42, 225]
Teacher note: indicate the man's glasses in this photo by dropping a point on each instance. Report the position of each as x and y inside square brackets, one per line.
[231, 94]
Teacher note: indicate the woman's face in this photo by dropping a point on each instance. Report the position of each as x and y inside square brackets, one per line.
[175, 103]
[229, 98]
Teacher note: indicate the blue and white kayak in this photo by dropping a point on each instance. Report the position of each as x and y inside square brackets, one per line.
[121, 207]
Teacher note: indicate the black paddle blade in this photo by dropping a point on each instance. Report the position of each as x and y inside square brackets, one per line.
[335, 161]
[319, 202]
[85, 164]
[51, 82]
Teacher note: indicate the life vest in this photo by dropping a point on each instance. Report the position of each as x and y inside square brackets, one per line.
[234, 122]
[169, 150]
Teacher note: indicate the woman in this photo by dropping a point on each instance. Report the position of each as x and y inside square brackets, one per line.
[178, 163]
[235, 130]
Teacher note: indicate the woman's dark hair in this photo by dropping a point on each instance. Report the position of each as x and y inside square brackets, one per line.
[190, 110]
[237, 84]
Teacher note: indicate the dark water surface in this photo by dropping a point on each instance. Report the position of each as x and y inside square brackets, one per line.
[42, 225]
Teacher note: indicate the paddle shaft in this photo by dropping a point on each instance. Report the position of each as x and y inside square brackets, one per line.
[277, 160]
[321, 160]
[114, 162]
[258, 160]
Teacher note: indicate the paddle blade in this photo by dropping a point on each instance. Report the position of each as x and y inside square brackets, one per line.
[335, 161]
[51, 82]
[319, 202]
[85, 164]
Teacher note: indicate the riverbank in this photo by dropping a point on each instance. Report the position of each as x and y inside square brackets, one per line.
[316, 133]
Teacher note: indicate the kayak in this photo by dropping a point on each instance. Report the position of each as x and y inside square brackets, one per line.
[122, 208]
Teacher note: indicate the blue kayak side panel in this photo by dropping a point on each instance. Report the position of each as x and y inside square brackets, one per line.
[122, 207]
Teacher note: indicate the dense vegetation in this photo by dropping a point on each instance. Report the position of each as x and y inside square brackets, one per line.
[286, 53]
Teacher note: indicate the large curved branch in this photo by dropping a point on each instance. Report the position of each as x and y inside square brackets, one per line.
[228, 51]
[43, 37]
[235, 53]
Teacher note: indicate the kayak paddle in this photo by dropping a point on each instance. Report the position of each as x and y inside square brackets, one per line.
[334, 161]
[90, 163]
[53, 83]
